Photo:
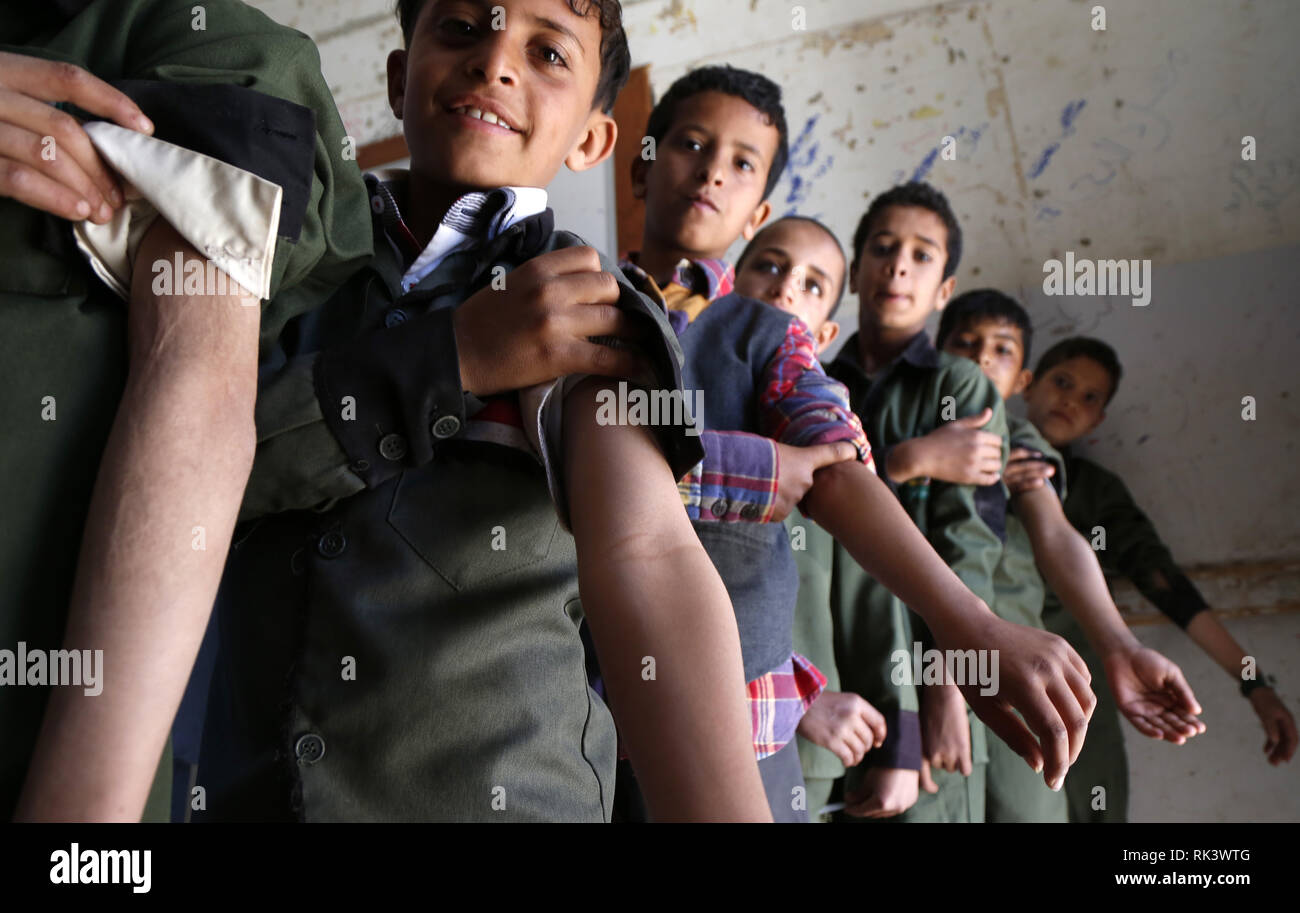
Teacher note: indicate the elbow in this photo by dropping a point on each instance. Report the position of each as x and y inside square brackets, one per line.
[834, 484]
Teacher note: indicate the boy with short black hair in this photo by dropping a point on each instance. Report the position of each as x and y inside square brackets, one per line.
[411, 650]
[994, 331]
[1074, 382]
[906, 250]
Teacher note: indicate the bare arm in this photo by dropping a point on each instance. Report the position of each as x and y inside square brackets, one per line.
[1211, 636]
[1040, 675]
[1149, 689]
[652, 594]
[177, 459]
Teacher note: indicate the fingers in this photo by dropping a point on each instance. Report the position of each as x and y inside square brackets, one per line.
[1009, 727]
[67, 134]
[1143, 724]
[607, 361]
[1182, 691]
[580, 288]
[828, 454]
[30, 187]
[978, 421]
[56, 81]
[41, 155]
[1074, 702]
[927, 782]
[587, 320]
[1177, 727]
[1042, 713]
[855, 746]
[1285, 740]
[564, 261]
[875, 721]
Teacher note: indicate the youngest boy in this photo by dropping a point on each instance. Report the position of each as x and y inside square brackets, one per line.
[796, 264]
[1074, 382]
[994, 331]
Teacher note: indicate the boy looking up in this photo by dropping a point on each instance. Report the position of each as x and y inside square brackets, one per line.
[994, 331]
[443, 576]
[905, 253]
[796, 264]
[1074, 382]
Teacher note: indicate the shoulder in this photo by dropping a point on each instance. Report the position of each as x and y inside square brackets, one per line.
[963, 379]
[1024, 433]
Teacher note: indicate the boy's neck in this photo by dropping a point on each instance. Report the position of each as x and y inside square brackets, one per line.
[880, 346]
[660, 263]
[426, 203]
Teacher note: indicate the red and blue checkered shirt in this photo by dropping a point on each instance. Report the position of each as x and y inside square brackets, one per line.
[800, 406]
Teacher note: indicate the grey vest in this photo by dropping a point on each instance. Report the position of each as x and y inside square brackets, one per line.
[382, 660]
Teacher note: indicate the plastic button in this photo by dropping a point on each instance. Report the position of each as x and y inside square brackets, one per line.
[392, 447]
[331, 545]
[445, 427]
[309, 748]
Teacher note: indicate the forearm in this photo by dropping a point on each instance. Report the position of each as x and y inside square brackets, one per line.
[905, 461]
[155, 540]
[1069, 565]
[663, 626]
[855, 507]
[1211, 636]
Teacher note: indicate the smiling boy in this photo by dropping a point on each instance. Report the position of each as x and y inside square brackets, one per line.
[447, 583]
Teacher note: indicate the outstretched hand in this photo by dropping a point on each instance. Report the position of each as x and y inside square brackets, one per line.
[1153, 695]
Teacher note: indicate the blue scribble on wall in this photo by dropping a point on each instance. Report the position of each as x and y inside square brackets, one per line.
[1068, 115]
[1043, 160]
[971, 135]
[806, 165]
[926, 164]
[1046, 212]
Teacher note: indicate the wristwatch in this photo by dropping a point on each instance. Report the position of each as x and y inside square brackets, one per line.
[1259, 681]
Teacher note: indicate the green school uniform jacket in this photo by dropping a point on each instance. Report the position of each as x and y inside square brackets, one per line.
[1014, 792]
[921, 390]
[62, 332]
[1017, 585]
[381, 658]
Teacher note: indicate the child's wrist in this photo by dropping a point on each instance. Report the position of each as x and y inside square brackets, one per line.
[902, 463]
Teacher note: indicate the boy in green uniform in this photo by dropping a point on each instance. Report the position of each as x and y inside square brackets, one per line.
[906, 250]
[994, 331]
[450, 581]
[93, 401]
[1075, 380]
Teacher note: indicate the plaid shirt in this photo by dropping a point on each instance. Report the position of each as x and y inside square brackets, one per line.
[799, 406]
